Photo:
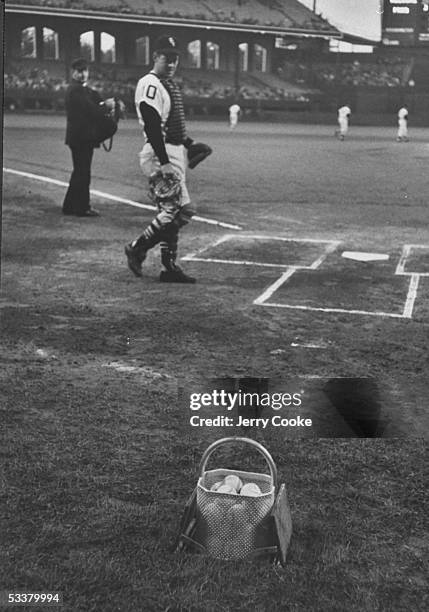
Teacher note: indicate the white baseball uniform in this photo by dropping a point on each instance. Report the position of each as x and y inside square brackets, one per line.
[343, 120]
[402, 123]
[151, 90]
[234, 111]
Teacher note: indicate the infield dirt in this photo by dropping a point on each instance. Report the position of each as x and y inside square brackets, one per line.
[68, 291]
[97, 365]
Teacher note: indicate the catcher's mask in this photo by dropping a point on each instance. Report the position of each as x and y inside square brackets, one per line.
[165, 189]
[117, 113]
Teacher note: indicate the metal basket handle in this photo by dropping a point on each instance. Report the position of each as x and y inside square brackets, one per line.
[263, 451]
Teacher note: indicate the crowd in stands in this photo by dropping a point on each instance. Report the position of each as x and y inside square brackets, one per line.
[386, 73]
[203, 88]
[252, 12]
[270, 93]
[107, 83]
[383, 73]
[35, 80]
[40, 82]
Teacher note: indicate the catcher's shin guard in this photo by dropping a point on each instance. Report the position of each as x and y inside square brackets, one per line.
[136, 251]
[169, 242]
[134, 260]
[184, 216]
[172, 273]
[169, 250]
[171, 236]
[150, 237]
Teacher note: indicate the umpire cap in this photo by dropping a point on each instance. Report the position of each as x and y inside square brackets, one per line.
[166, 44]
[79, 64]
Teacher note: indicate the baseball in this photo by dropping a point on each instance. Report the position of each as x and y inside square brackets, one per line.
[251, 490]
[233, 481]
[216, 485]
[227, 489]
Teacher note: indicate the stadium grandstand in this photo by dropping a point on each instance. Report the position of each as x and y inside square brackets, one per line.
[290, 15]
[270, 55]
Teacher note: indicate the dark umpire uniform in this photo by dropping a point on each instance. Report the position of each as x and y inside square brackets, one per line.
[84, 107]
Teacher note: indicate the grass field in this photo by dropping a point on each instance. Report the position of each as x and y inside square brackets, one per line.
[98, 454]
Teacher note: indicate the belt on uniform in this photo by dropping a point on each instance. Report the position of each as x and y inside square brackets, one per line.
[173, 142]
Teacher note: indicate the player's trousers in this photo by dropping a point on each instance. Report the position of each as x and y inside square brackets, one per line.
[344, 126]
[76, 201]
[233, 120]
[402, 128]
[149, 164]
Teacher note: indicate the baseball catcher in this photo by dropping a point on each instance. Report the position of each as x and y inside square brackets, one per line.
[167, 151]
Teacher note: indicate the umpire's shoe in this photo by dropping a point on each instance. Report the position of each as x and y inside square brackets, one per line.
[175, 276]
[135, 260]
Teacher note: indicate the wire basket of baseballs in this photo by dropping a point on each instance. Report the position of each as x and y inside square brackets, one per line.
[233, 505]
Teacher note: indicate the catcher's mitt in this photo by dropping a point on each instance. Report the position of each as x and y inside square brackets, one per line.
[197, 152]
[164, 188]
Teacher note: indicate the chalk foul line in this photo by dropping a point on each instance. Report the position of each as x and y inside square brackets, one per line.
[108, 196]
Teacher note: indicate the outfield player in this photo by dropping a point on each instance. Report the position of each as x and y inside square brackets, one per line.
[159, 106]
[234, 112]
[344, 113]
[402, 124]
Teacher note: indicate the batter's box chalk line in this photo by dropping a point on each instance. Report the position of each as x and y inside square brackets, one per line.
[407, 312]
[405, 255]
[329, 247]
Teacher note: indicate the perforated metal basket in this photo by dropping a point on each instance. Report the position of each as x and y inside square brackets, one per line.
[229, 523]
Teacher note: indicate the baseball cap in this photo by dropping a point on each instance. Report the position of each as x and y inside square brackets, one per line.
[79, 64]
[166, 44]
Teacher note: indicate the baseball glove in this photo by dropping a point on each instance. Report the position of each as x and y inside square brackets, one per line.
[164, 188]
[197, 152]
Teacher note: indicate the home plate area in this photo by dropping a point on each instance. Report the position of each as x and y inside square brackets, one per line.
[325, 276]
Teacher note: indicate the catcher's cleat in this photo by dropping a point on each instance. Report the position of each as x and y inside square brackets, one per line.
[134, 260]
[175, 276]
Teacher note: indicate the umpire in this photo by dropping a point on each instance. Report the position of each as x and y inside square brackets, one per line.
[84, 107]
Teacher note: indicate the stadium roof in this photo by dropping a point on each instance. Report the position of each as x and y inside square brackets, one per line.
[292, 18]
[359, 40]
